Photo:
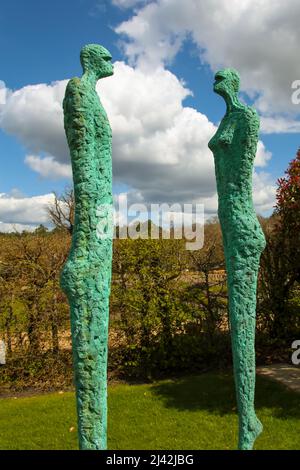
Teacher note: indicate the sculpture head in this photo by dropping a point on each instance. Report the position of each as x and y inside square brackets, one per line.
[227, 83]
[96, 59]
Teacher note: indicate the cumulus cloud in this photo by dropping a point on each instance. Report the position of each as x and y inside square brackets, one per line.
[261, 39]
[10, 228]
[264, 191]
[128, 3]
[159, 145]
[4, 93]
[48, 167]
[279, 125]
[262, 155]
[24, 210]
[34, 115]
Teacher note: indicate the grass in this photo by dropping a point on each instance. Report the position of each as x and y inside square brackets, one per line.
[188, 413]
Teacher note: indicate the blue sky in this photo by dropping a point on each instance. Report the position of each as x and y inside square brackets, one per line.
[40, 43]
[165, 72]
[40, 40]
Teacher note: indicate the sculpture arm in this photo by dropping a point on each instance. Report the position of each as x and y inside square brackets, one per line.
[75, 112]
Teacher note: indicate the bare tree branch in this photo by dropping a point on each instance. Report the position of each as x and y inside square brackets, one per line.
[61, 212]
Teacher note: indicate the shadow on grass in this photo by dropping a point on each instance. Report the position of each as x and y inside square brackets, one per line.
[215, 393]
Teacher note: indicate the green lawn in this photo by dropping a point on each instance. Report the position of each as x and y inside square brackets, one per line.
[189, 413]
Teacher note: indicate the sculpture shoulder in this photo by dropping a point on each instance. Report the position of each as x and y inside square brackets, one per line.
[73, 91]
[73, 106]
[252, 117]
[76, 104]
[74, 86]
[79, 96]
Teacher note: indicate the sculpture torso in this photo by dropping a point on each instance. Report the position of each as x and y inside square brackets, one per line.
[87, 125]
[89, 137]
[234, 147]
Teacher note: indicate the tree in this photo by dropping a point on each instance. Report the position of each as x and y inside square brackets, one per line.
[207, 297]
[288, 210]
[280, 262]
[7, 294]
[41, 230]
[31, 265]
[61, 212]
[146, 296]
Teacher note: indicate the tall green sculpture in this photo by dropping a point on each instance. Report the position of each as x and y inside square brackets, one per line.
[234, 147]
[86, 276]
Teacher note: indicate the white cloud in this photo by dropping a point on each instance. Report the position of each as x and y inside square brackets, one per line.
[4, 92]
[128, 3]
[24, 210]
[260, 38]
[279, 125]
[48, 167]
[159, 145]
[262, 155]
[9, 228]
[34, 115]
[264, 191]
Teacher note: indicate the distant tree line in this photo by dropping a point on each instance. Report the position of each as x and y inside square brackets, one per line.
[168, 305]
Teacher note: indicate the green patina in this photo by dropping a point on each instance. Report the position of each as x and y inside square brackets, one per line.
[86, 276]
[234, 147]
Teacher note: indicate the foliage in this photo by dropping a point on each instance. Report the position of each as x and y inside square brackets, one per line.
[207, 298]
[32, 303]
[145, 294]
[288, 211]
[45, 372]
[280, 273]
[168, 311]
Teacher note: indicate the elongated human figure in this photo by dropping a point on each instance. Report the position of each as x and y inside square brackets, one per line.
[86, 276]
[234, 147]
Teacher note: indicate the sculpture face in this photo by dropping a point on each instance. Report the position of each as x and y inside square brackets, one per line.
[97, 59]
[227, 83]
